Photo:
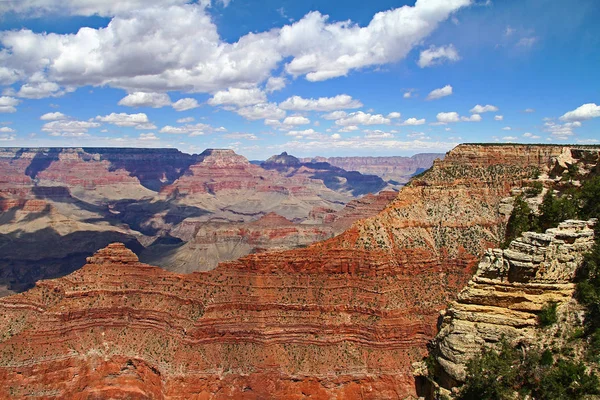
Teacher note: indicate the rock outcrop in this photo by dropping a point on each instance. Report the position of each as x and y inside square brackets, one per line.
[507, 293]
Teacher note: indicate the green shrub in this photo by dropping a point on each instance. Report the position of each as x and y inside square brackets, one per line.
[548, 315]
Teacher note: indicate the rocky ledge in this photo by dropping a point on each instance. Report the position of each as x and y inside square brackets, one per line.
[507, 293]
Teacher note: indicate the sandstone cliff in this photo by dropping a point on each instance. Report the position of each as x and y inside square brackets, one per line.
[506, 294]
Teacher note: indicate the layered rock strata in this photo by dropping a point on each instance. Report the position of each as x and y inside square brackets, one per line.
[507, 293]
[344, 318]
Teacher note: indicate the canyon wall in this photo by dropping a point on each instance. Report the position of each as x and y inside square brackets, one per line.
[344, 318]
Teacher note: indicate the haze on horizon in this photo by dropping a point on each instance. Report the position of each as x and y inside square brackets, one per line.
[328, 78]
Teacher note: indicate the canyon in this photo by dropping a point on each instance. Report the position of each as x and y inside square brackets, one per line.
[58, 206]
[341, 318]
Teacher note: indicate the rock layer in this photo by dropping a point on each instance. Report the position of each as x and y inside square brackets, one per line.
[507, 293]
[344, 318]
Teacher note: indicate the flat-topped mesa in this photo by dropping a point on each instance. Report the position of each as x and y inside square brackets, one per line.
[507, 293]
[271, 219]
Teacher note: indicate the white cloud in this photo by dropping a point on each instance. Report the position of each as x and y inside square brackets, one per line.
[472, 118]
[139, 120]
[193, 130]
[479, 109]
[437, 55]
[148, 136]
[408, 94]
[8, 104]
[509, 31]
[336, 136]
[378, 134]
[582, 113]
[7, 137]
[507, 128]
[349, 128]
[529, 110]
[414, 121]
[439, 93]
[185, 120]
[275, 83]
[306, 134]
[146, 99]
[68, 128]
[509, 138]
[361, 118]
[53, 116]
[499, 117]
[6, 129]
[323, 51]
[394, 115]
[342, 101]
[334, 115]
[448, 117]
[185, 104]
[296, 120]
[238, 97]
[167, 45]
[561, 131]
[527, 41]
[262, 111]
[530, 135]
[246, 136]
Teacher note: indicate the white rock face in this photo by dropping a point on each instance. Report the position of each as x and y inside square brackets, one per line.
[507, 292]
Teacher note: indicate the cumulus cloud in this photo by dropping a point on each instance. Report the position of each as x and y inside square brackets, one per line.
[53, 116]
[448, 117]
[336, 136]
[472, 118]
[561, 131]
[507, 128]
[349, 128]
[339, 102]
[437, 55]
[509, 138]
[8, 104]
[407, 95]
[267, 111]
[334, 115]
[479, 109]
[530, 135]
[167, 45]
[138, 121]
[414, 121]
[394, 115]
[69, 128]
[185, 120]
[529, 110]
[146, 99]
[238, 135]
[148, 136]
[499, 117]
[5, 137]
[192, 129]
[275, 83]
[238, 97]
[378, 134]
[6, 129]
[582, 113]
[296, 120]
[439, 93]
[185, 104]
[361, 118]
[306, 134]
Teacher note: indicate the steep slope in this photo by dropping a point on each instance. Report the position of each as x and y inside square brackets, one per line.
[343, 318]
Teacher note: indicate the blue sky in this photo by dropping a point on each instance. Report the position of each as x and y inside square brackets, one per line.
[311, 78]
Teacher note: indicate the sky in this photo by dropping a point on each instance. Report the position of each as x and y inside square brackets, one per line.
[327, 78]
